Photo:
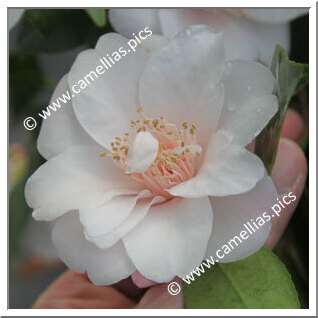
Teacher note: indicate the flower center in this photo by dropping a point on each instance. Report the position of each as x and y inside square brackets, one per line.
[175, 160]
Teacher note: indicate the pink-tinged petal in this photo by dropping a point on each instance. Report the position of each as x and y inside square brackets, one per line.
[227, 170]
[141, 281]
[177, 84]
[248, 103]
[172, 238]
[129, 21]
[76, 178]
[61, 130]
[230, 215]
[103, 266]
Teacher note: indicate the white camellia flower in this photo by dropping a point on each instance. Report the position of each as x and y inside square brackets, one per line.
[250, 34]
[157, 188]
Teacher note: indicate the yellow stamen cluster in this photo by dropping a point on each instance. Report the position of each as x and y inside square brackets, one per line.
[169, 166]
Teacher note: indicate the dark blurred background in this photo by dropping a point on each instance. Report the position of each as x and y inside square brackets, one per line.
[43, 45]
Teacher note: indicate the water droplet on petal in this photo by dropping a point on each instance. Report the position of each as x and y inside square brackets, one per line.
[188, 32]
[229, 64]
[257, 132]
[232, 107]
[243, 150]
[249, 88]
[258, 110]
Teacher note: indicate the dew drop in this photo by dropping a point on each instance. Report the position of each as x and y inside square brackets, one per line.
[232, 107]
[258, 110]
[229, 64]
[249, 88]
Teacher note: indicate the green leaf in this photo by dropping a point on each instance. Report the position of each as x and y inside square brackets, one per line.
[290, 78]
[26, 81]
[98, 16]
[55, 30]
[259, 281]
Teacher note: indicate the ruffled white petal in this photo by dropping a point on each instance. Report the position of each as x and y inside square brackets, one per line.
[103, 266]
[105, 218]
[106, 106]
[248, 103]
[177, 83]
[231, 213]
[61, 130]
[140, 210]
[227, 169]
[172, 238]
[129, 21]
[142, 153]
[77, 178]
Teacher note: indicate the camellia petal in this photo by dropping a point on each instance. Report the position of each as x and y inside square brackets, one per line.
[227, 170]
[77, 178]
[61, 130]
[248, 103]
[105, 218]
[129, 21]
[106, 106]
[271, 35]
[177, 84]
[230, 215]
[243, 38]
[103, 266]
[140, 210]
[172, 238]
[281, 15]
[14, 16]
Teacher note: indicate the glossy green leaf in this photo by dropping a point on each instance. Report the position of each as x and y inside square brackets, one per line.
[290, 78]
[259, 281]
[98, 16]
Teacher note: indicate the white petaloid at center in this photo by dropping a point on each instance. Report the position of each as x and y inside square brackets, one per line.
[157, 153]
